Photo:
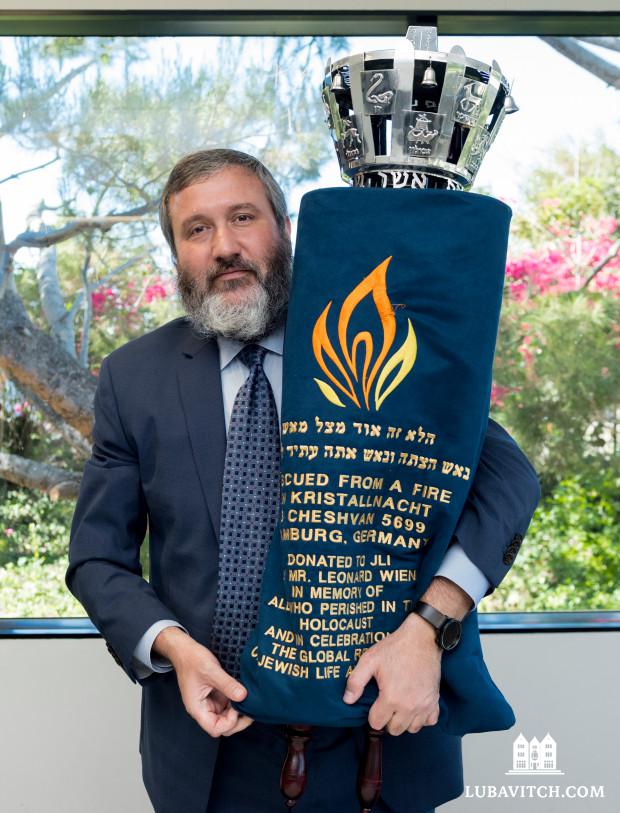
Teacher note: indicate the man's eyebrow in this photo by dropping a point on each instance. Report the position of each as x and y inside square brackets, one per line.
[198, 217]
[238, 206]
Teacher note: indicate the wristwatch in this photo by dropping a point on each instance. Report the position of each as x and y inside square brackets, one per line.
[448, 629]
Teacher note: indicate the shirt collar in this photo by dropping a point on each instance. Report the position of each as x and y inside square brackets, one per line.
[230, 347]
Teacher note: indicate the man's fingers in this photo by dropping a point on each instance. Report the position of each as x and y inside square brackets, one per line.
[433, 717]
[226, 684]
[226, 721]
[242, 722]
[358, 679]
[379, 714]
[398, 724]
[216, 723]
[217, 701]
[416, 724]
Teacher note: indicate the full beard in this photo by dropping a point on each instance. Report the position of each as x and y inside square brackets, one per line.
[245, 318]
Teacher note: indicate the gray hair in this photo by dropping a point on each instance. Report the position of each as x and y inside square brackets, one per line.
[197, 166]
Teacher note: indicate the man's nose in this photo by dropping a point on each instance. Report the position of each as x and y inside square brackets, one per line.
[225, 243]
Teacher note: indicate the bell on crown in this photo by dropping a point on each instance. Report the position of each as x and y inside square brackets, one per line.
[510, 106]
[338, 85]
[429, 80]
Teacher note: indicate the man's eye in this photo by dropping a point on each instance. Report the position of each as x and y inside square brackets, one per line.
[244, 218]
[196, 229]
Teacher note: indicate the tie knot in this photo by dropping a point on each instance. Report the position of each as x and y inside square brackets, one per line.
[252, 355]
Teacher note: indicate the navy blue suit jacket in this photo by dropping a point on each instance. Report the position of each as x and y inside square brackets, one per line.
[156, 467]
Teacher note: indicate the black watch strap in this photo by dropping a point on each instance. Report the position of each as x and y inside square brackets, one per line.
[433, 616]
[448, 629]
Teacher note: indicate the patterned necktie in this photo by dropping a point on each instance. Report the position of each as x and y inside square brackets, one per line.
[250, 497]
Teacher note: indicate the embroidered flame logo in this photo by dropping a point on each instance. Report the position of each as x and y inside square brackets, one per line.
[376, 368]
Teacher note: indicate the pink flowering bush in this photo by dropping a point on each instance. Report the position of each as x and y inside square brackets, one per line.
[566, 266]
[102, 299]
[140, 299]
[161, 289]
[557, 369]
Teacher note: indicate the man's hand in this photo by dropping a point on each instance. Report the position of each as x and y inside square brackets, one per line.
[206, 689]
[407, 666]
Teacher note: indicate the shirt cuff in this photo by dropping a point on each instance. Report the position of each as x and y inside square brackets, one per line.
[459, 568]
[144, 661]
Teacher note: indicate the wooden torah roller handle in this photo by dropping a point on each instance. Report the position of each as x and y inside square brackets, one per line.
[371, 768]
[294, 770]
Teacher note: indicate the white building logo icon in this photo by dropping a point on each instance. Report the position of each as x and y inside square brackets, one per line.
[534, 756]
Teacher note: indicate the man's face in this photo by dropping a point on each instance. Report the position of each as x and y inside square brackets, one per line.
[233, 263]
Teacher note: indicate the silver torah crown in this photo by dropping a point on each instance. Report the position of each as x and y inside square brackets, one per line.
[412, 116]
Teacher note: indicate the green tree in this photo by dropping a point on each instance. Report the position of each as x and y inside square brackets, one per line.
[115, 114]
[571, 558]
[88, 270]
[557, 371]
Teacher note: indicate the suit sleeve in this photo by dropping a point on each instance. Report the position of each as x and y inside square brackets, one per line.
[108, 528]
[502, 500]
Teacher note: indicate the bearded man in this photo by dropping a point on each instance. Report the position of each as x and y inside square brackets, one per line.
[168, 443]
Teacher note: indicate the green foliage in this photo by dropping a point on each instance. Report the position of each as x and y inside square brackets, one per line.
[118, 112]
[32, 588]
[117, 124]
[18, 430]
[24, 433]
[557, 380]
[34, 537]
[34, 540]
[582, 180]
[557, 370]
[570, 559]
[33, 526]
[561, 388]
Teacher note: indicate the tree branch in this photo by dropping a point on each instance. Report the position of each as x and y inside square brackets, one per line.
[611, 43]
[79, 299]
[586, 59]
[35, 239]
[35, 360]
[16, 175]
[57, 483]
[80, 445]
[5, 256]
[613, 253]
[53, 302]
[88, 305]
[40, 97]
[83, 299]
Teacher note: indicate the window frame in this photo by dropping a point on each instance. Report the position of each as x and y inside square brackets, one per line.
[306, 23]
[317, 23]
[496, 623]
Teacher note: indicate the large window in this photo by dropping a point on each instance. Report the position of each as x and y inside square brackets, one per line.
[90, 127]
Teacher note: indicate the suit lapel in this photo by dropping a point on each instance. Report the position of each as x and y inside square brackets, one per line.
[200, 387]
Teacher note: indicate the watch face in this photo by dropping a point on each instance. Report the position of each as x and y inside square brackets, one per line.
[450, 634]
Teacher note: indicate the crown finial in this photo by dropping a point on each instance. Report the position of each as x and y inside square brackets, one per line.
[414, 116]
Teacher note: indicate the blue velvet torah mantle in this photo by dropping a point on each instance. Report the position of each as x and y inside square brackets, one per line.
[387, 376]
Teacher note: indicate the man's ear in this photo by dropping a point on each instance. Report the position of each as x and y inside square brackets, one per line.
[287, 226]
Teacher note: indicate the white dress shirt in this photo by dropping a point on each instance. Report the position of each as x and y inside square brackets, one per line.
[456, 565]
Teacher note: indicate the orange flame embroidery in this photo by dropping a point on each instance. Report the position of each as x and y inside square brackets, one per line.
[400, 362]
